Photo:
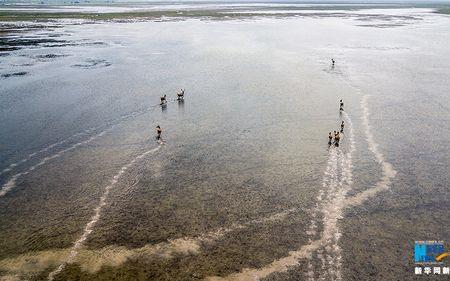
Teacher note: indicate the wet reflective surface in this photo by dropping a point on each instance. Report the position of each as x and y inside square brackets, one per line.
[244, 184]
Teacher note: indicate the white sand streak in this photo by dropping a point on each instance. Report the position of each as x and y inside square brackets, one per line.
[97, 211]
[332, 232]
[332, 207]
[43, 150]
[339, 184]
[49, 147]
[332, 212]
[329, 179]
[330, 255]
[280, 265]
[11, 183]
[388, 171]
[27, 265]
[329, 185]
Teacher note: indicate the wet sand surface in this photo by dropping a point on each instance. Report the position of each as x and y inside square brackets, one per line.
[244, 185]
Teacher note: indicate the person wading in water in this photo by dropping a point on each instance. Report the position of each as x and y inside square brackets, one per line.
[163, 100]
[337, 138]
[180, 95]
[158, 132]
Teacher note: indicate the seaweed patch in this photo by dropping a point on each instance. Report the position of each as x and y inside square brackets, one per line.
[93, 63]
[7, 75]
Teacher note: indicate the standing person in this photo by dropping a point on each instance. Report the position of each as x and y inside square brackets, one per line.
[180, 95]
[163, 100]
[158, 132]
[332, 62]
[342, 127]
[330, 138]
[337, 138]
[341, 105]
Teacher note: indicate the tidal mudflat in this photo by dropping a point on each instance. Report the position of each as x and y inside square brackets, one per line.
[244, 185]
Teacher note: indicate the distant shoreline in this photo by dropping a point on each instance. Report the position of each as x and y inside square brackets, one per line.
[160, 11]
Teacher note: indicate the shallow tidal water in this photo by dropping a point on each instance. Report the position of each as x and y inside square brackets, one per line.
[244, 185]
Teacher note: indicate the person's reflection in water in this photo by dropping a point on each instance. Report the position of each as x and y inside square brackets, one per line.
[164, 107]
[181, 104]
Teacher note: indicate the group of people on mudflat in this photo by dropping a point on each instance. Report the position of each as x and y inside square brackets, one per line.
[163, 103]
[335, 137]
